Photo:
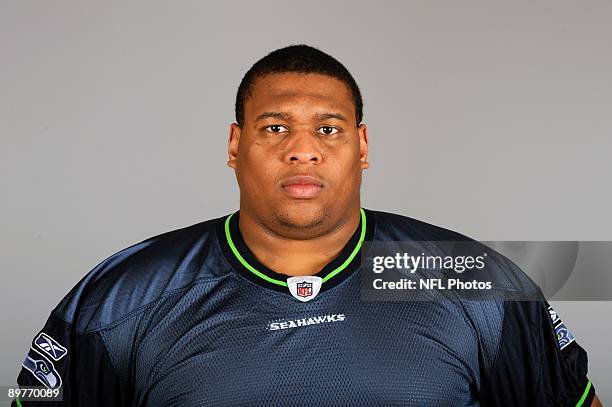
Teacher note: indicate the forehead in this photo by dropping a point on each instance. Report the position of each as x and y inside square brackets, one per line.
[299, 91]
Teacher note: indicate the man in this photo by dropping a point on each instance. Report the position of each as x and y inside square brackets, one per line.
[262, 306]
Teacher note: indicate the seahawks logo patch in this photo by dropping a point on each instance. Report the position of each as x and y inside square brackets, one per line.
[564, 336]
[42, 369]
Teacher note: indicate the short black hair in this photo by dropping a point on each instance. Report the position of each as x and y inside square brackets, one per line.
[301, 59]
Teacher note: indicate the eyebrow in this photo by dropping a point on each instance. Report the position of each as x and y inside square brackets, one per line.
[273, 115]
[285, 116]
[326, 116]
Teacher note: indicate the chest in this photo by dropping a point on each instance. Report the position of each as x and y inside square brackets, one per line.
[421, 354]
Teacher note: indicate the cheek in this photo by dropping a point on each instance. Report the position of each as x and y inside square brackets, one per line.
[256, 170]
[345, 176]
[347, 164]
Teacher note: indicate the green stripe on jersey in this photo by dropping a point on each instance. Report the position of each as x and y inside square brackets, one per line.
[584, 395]
[284, 283]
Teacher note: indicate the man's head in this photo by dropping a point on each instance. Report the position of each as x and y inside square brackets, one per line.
[298, 147]
[300, 59]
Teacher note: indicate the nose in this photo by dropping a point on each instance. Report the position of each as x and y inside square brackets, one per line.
[303, 148]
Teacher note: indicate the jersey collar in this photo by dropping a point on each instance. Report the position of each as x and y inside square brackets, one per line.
[244, 261]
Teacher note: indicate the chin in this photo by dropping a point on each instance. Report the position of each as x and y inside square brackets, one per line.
[301, 215]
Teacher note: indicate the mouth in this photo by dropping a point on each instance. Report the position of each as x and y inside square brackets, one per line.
[302, 186]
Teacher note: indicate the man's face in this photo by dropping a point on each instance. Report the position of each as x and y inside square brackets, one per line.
[299, 154]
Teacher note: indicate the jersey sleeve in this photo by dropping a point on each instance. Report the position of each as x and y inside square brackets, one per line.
[78, 364]
[538, 362]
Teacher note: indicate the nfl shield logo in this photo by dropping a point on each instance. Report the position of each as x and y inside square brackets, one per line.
[304, 289]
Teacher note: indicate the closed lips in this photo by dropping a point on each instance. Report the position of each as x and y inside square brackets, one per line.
[302, 180]
[302, 187]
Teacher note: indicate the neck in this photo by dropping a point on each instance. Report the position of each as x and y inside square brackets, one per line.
[293, 257]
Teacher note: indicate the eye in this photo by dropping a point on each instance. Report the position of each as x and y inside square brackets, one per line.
[276, 128]
[327, 130]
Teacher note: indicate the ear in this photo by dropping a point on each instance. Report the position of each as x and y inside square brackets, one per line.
[232, 148]
[362, 131]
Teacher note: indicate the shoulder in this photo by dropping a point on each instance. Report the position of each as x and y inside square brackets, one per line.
[487, 311]
[506, 276]
[142, 274]
[393, 226]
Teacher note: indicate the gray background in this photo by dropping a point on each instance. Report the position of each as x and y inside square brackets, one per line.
[490, 118]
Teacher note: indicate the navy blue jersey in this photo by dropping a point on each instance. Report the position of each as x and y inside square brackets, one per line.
[192, 318]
